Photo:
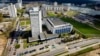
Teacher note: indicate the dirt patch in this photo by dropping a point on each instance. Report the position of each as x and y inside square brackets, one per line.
[92, 53]
[3, 42]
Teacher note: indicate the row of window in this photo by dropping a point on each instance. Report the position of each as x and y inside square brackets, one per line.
[65, 30]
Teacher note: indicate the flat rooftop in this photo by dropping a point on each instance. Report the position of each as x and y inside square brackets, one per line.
[46, 35]
[56, 21]
[31, 39]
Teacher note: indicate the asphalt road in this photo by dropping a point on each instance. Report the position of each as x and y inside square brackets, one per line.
[62, 49]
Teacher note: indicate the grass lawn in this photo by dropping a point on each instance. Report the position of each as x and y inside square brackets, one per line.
[27, 22]
[83, 28]
[97, 23]
[51, 14]
[22, 23]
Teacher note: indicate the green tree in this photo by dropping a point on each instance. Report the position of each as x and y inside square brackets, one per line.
[17, 46]
[1, 17]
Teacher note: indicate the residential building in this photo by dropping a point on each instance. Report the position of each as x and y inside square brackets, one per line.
[54, 7]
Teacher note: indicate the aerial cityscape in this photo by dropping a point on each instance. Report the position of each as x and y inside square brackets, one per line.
[49, 28]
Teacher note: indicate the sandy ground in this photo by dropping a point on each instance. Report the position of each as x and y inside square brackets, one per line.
[3, 41]
[92, 53]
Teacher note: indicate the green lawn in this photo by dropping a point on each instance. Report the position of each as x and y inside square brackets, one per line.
[51, 14]
[28, 22]
[22, 23]
[25, 21]
[83, 28]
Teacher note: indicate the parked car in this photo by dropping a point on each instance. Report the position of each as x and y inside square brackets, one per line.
[14, 53]
[32, 50]
[26, 52]
[41, 48]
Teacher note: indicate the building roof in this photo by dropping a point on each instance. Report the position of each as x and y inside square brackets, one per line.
[56, 21]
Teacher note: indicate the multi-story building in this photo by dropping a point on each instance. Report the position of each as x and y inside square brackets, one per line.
[12, 10]
[56, 26]
[36, 23]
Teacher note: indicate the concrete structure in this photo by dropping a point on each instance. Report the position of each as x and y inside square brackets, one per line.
[56, 26]
[36, 22]
[12, 10]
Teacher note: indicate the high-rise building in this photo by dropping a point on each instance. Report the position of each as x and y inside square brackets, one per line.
[36, 23]
[12, 10]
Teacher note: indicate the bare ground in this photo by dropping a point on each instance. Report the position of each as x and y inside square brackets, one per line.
[3, 42]
[92, 53]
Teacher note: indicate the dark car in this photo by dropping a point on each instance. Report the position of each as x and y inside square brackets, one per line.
[46, 46]
[32, 51]
[14, 53]
[26, 52]
[41, 48]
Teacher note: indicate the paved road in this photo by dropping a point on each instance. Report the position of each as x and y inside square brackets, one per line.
[80, 44]
[59, 48]
[84, 43]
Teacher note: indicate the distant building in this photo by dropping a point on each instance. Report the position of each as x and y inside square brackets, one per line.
[19, 4]
[54, 7]
[12, 10]
[36, 23]
[56, 26]
[88, 11]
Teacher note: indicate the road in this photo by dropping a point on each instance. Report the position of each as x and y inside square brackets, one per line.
[72, 47]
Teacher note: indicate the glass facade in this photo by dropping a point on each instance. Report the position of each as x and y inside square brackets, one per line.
[64, 30]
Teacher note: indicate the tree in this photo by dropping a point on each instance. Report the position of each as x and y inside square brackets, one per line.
[1, 17]
[17, 46]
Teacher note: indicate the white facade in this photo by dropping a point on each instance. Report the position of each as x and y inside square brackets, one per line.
[36, 22]
[12, 10]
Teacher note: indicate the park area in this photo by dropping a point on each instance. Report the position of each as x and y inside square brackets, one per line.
[82, 28]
